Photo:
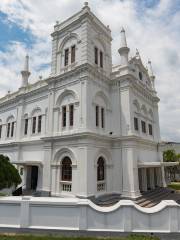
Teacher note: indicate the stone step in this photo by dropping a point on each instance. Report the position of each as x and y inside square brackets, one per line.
[155, 200]
[152, 204]
[151, 196]
[108, 196]
[151, 192]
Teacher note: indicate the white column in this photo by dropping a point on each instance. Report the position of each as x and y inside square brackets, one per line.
[46, 179]
[43, 126]
[159, 176]
[18, 129]
[163, 180]
[40, 175]
[130, 173]
[144, 180]
[53, 180]
[50, 111]
[152, 178]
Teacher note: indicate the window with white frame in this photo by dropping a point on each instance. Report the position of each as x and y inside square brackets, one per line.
[73, 53]
[100, 116]
[68, 109]
[100, 174]
[143, 126]
[66, 174]
[150, 129]
[25, 126]
[0, 129]
[69, 55]
[71, 115]
[64, 116]
[10, 128]
[66, 57]
[36, 122]
[97, 115]
[136, 124]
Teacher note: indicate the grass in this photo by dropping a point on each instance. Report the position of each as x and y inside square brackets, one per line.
[2, 194]
[50, 237]
[174, 185]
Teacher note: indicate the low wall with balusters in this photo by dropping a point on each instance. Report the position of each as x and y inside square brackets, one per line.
[82, 214]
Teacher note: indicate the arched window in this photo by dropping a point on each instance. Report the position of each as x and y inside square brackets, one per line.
[66, 173]
[10, 127]
[36, 126]
[100, 169]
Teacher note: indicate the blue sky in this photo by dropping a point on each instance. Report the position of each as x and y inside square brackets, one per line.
[10, 32]
[152, 26]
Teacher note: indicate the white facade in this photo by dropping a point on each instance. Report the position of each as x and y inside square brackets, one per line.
[85, 111]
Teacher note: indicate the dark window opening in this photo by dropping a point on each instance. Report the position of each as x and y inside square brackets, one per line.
[150, 129]
[0, 131]
[140, 76]
[96, 55]
[101, 59]
[73, 53]
[26, 127]
[143, 124]
[64, 116]
[97, 116]
[12, 129]
[34, 125]
[66, 169]
[71, 115]
[39, 123]
[8, 129]
[66, 57]
[100, 169]
[136, 127]
[102, 117]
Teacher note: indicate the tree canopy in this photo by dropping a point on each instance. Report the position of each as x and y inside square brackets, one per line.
[9, 175]
[170, 156]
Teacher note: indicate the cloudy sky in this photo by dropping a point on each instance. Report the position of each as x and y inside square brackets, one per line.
[152, 26]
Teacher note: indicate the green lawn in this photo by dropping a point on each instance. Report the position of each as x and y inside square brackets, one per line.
[175, 185]
[49, 237]
[2, 194]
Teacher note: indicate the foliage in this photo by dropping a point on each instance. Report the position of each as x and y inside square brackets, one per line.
[49, 237]
[175, 185]
[2, 194]
[169, 156]
[9, 175]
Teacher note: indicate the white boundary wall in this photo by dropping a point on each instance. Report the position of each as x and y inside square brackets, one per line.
[82, 214]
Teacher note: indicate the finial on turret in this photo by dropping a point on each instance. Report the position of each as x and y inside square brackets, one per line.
[151, 74]
[26, 63]
[137, 54]
[86, 6]
[123, 50]
[25, 72]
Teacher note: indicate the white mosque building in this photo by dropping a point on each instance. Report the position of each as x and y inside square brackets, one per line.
[89, 128]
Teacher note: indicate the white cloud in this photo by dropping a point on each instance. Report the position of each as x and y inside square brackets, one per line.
[154, 31]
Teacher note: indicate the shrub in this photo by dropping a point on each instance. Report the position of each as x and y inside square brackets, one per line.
[9, 175]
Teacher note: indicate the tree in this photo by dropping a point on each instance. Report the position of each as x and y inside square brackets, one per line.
[171, 156]
[9, 175]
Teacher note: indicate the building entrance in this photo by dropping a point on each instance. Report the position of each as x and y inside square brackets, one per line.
[32, 177]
